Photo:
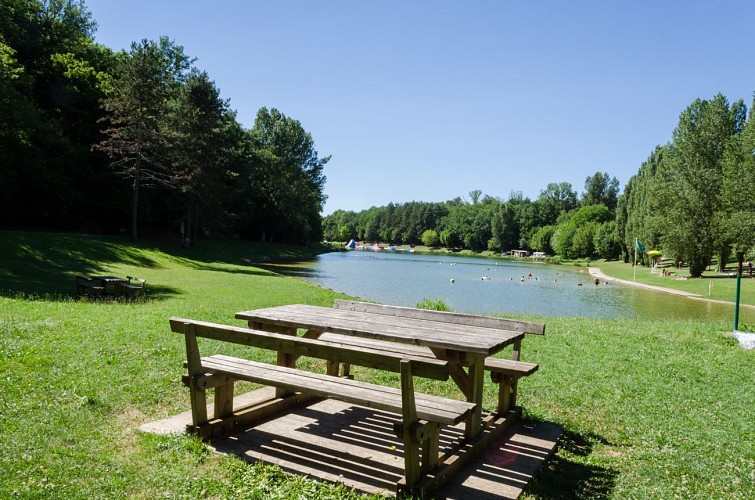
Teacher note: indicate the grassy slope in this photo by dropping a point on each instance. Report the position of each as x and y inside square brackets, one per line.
[717, 286]
[650, 409]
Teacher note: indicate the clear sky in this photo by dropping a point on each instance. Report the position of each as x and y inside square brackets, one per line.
[429, 100]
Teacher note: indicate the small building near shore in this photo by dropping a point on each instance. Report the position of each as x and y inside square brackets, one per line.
[520, 253]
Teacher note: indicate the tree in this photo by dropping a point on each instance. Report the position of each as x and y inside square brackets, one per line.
[135, 131]
[601, 189]
[736, 218]
[430, 238]
[541, 239]
[288, 177]
[504, 227]
[639, 215]
[606, 241]
[583, 241]
[554, 200]
[200, 132]
[574, 234]
[691, 180]
[52, 79]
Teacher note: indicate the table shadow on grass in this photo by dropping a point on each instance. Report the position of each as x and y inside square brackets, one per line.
[357, 446]
[353, 446]
[565, 477]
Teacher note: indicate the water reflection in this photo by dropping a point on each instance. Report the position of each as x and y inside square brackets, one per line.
[487, 286]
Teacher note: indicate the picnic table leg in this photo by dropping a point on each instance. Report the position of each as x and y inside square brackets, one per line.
[197, 394]
[409, 417]
[476, 377]
[513, 381]
[224, 400]
[332, 369]
[430, 448]
[504, 391]
[283, 359]
[517, 350]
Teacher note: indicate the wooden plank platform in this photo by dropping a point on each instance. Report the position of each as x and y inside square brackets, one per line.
[338, 442]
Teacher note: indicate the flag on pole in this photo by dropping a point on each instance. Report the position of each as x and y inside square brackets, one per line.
[639, 245]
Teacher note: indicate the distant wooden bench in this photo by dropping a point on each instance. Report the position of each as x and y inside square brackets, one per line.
[504, 372]
[131, 290]
[88, 287]
[422, 415]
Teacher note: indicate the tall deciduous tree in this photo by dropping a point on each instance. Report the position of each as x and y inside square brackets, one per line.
[691, 180]
[736, 218]
[288, 177]
[601, 189]
[554, 200]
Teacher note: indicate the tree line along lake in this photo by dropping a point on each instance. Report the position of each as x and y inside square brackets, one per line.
[495, 286]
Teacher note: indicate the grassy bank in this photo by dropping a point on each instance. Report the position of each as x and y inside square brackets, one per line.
[650, 408]
[717, 286]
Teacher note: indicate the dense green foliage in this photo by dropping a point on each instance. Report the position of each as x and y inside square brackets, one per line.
[547, 224]
[692, 198]
[642, 416]
[103, 142]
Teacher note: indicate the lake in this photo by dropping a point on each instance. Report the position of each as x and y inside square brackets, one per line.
[492, 286]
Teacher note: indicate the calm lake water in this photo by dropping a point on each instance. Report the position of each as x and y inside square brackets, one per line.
[406, 279]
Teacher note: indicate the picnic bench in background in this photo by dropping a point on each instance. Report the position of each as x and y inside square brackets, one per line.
[109, 287]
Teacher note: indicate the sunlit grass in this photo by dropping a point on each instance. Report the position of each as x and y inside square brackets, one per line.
[712, 285]
[650, 409]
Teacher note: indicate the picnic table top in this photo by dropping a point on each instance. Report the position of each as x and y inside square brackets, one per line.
[430, 333]
[110, 279]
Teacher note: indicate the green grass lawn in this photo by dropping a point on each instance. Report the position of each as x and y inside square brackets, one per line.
[655, 409]
[714, 285]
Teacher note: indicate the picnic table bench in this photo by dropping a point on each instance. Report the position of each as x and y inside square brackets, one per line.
[422, 415]
[131, 288]
[411, 342]
[88, 287]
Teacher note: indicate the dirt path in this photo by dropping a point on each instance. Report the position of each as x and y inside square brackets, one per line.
[595, 271]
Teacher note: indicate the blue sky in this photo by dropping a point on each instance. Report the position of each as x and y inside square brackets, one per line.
[429, 100]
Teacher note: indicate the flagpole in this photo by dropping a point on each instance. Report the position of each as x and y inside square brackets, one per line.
[634, 275]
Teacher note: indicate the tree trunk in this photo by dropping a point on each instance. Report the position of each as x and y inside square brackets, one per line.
[135, 203]
[696, 266]
[723, 258]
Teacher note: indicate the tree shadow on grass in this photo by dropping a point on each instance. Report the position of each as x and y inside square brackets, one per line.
[45, 265]
[566, 475]
[300, 270]
[41, 265]
[247, 271]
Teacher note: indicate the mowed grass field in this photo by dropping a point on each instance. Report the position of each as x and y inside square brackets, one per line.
[650, 409]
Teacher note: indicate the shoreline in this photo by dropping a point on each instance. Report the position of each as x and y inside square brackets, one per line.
[595, 271]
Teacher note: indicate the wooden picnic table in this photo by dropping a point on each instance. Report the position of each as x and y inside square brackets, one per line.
[464, 347]
[112, 281]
